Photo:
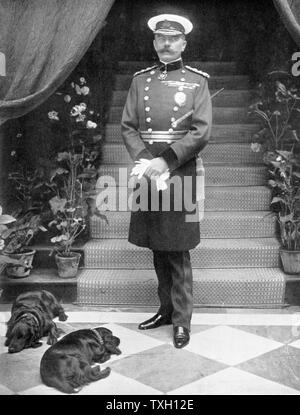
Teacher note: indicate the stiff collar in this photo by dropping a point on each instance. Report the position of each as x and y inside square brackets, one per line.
[171, 66]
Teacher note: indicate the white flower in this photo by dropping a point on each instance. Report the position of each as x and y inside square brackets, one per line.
[279, 158]
[91, 124]
[77, 89]
[256, 147]
[19, 135]
[82, 80]
[75, 111]
[80, 118]
[67, 98]
[13, 153]
[82, 106]
[53, 115]
[91, 112]
[2, 244]
[85, 90]
[72, 84]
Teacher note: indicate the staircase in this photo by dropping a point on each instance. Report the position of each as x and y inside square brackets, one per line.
[237, 261]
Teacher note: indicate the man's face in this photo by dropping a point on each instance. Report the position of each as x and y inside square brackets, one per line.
[169, 47]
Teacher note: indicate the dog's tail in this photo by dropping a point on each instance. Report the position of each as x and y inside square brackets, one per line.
[69, 373]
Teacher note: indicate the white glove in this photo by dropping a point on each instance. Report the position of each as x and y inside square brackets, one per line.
[140, 168]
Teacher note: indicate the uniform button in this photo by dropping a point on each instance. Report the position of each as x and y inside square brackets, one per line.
[152, 72]
[182, 79]
[147, 109]
[149, 130]
[151, 142]
[180, 88]
[146, 88]
[175, 108]
[173, 119]
[171, 130]
[183, 71]
[148, 79]
[146, 98]
[148, 119]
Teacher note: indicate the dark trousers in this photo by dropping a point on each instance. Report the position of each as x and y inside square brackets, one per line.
[175, 285]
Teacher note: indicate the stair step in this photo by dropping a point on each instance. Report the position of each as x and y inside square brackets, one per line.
[213, 68]
[214, 225]
[242, 287]
[122, 82]
[217, 198]
[221, 115]
[44, 259]
[64, 289]
[221, 132]
[218, 175]
[226, 98]
[213, 153]
[210, 253]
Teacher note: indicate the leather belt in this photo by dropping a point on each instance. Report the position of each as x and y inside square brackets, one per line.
[162, 136]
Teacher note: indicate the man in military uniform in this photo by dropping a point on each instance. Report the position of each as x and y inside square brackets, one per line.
[167, 120]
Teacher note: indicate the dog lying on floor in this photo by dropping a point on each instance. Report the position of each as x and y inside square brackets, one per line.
[66, 365]
[31, 319]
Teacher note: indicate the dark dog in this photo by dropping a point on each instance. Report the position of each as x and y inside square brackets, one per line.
[66, 365]
[31, 319]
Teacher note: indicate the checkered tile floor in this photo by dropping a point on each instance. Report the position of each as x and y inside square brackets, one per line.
[228, 354]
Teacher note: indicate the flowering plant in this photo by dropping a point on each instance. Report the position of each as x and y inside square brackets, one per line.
[277, 110]
[285, 183]
[74, 172]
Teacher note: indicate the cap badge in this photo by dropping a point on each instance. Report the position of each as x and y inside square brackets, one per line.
[180, 99]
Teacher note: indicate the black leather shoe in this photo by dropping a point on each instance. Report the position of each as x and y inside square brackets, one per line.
[155, 321]
[181, 337]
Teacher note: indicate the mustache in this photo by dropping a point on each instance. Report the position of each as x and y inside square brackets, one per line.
[164, 50]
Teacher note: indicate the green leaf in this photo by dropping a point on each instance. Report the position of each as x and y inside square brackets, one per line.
[5, 219]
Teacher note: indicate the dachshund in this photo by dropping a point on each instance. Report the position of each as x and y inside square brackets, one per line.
[67, 365]
[31, 319]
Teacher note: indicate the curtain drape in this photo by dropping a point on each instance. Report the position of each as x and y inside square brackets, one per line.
[43, 41]
[289, 11]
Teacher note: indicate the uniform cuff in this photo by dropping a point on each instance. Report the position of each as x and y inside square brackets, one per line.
[170, 157]
[144, 154]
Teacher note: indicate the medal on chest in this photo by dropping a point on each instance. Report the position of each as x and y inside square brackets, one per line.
[162, 76]
[180, 99]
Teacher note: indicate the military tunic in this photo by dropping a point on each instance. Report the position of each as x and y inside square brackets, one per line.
[158, 96]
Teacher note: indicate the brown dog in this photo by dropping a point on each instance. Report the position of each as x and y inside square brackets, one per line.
[31, 319]
[66, 365]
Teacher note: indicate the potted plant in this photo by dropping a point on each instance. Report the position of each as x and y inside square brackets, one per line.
[74, 172]
[286, 185]
[278, 111]
[28, 200]
[5, 259]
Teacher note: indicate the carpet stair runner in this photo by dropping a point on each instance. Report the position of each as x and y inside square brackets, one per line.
[237, 260]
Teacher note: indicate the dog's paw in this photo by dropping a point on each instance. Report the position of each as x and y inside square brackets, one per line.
[52, 340]
[62, 316]
[36, 345]
[105, 372]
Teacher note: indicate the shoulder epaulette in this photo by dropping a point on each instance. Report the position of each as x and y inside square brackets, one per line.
[144, 70]
[197, 71]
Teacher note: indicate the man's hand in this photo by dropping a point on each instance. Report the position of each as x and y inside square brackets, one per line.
[156, 167]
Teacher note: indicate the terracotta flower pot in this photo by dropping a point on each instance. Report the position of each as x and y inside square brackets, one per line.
[67, 266]
[20, 271]
[290, 261]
